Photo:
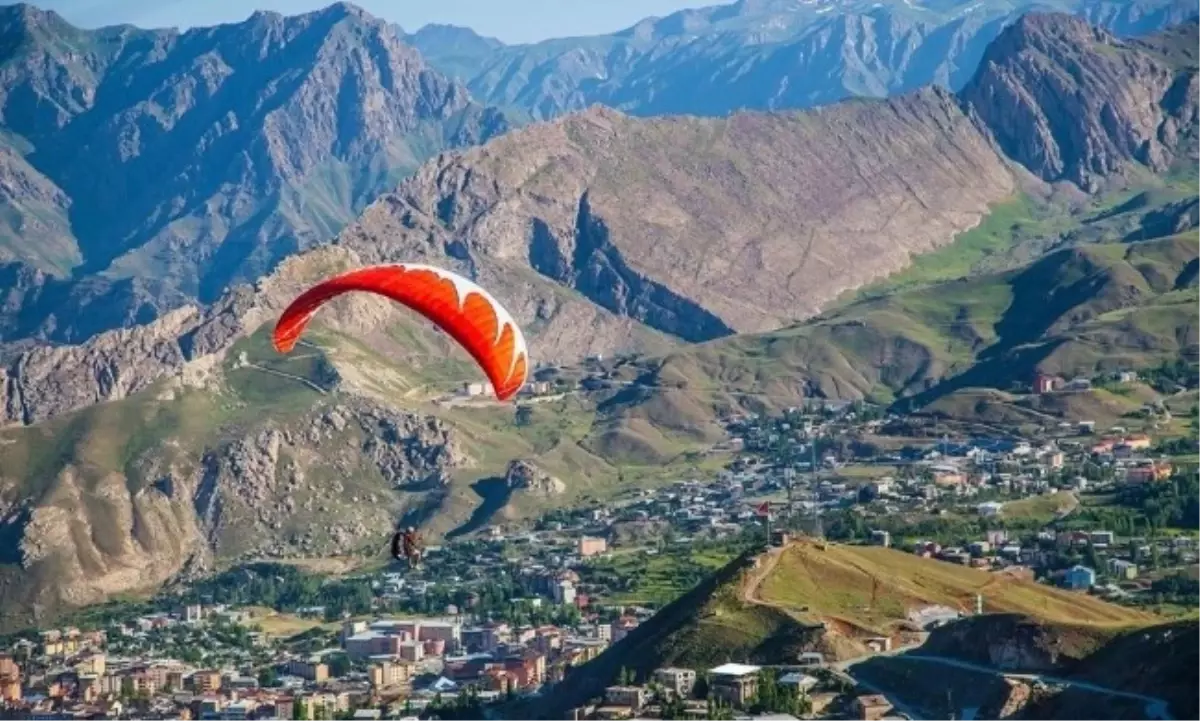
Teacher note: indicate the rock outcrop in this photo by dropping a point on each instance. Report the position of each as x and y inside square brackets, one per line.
[332, 481]
[1015, 643]
[1071, 102]
[522, 475]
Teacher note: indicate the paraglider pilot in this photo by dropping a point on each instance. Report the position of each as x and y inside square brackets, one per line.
[406, 546]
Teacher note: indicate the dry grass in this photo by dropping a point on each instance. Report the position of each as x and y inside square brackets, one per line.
[836, 583]
[1044, 507]
[283, 625]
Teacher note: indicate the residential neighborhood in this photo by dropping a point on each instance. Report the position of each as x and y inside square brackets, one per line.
[509, 611]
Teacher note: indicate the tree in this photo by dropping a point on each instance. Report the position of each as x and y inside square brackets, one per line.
[339, 665]
[524, 415]
[626, 677]
[268, 677]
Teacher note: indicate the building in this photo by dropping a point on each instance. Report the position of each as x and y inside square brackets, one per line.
[206, 681]
[735, 683]
[1124, 570]
[373, 643]
[679, 681]
[309, 670]
[387, 674]
[800, 681]
[10, 679]
[811, 658]
[95, 663]
[1045, 384]
[412, 651]
[1138, 441]
[476, 389]
[1079, 578]
[633, 697]
[193, 613]
[878, 644]
[991, 509]
[881, 538]
[564, 592]
[1148, 473]
[872, 707]
[622, 627]
[590, 546]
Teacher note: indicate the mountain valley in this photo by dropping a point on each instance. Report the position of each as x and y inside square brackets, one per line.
[906, 251]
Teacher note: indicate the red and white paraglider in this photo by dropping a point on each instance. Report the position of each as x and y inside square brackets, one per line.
[467, 312]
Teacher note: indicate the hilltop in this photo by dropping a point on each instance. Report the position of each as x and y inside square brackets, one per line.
[814, 596]
[759, 55]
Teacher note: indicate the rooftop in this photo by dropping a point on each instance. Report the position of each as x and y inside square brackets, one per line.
[734, 669]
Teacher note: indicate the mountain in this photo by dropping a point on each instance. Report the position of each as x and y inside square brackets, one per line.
[760, 54]
[1078, 311]
[1081, 309]
[172, 446]
[143, 169]
[816, 596]
[600, 230]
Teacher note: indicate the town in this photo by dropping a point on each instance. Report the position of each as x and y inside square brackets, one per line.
[511, 612]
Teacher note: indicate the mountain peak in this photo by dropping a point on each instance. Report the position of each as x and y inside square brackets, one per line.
[1071, 102]
[27, 19]
[345, 9]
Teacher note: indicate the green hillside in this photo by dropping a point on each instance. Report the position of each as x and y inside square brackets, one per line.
[1077, 311]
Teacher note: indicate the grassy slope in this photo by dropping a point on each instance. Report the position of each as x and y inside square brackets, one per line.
[405, 364]
[836, 583]
[712, 623]
[1077, 310]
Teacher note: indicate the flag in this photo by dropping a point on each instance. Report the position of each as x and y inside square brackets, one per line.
[764, 509]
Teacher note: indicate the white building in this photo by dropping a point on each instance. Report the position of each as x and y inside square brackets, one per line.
[991, 509]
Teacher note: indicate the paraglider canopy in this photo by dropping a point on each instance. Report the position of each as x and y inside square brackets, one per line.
[465, 311]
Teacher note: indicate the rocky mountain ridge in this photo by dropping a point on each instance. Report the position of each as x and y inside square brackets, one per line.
[697, 228]
[159, 167]
[755, 54]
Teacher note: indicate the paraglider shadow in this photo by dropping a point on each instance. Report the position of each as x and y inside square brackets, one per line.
[495, 493]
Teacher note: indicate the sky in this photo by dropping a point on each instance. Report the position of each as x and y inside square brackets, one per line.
[513, 21]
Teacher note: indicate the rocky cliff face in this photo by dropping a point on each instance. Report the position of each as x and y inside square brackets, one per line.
[172, 164]
[1015, 643]
[331, 481]
[257, 495]
[1071, 102]
[700, 228]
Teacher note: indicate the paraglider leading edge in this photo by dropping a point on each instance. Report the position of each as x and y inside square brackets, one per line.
[467, 312]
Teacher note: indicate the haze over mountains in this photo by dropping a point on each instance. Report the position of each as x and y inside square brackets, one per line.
[759, 54]
[164, 167]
